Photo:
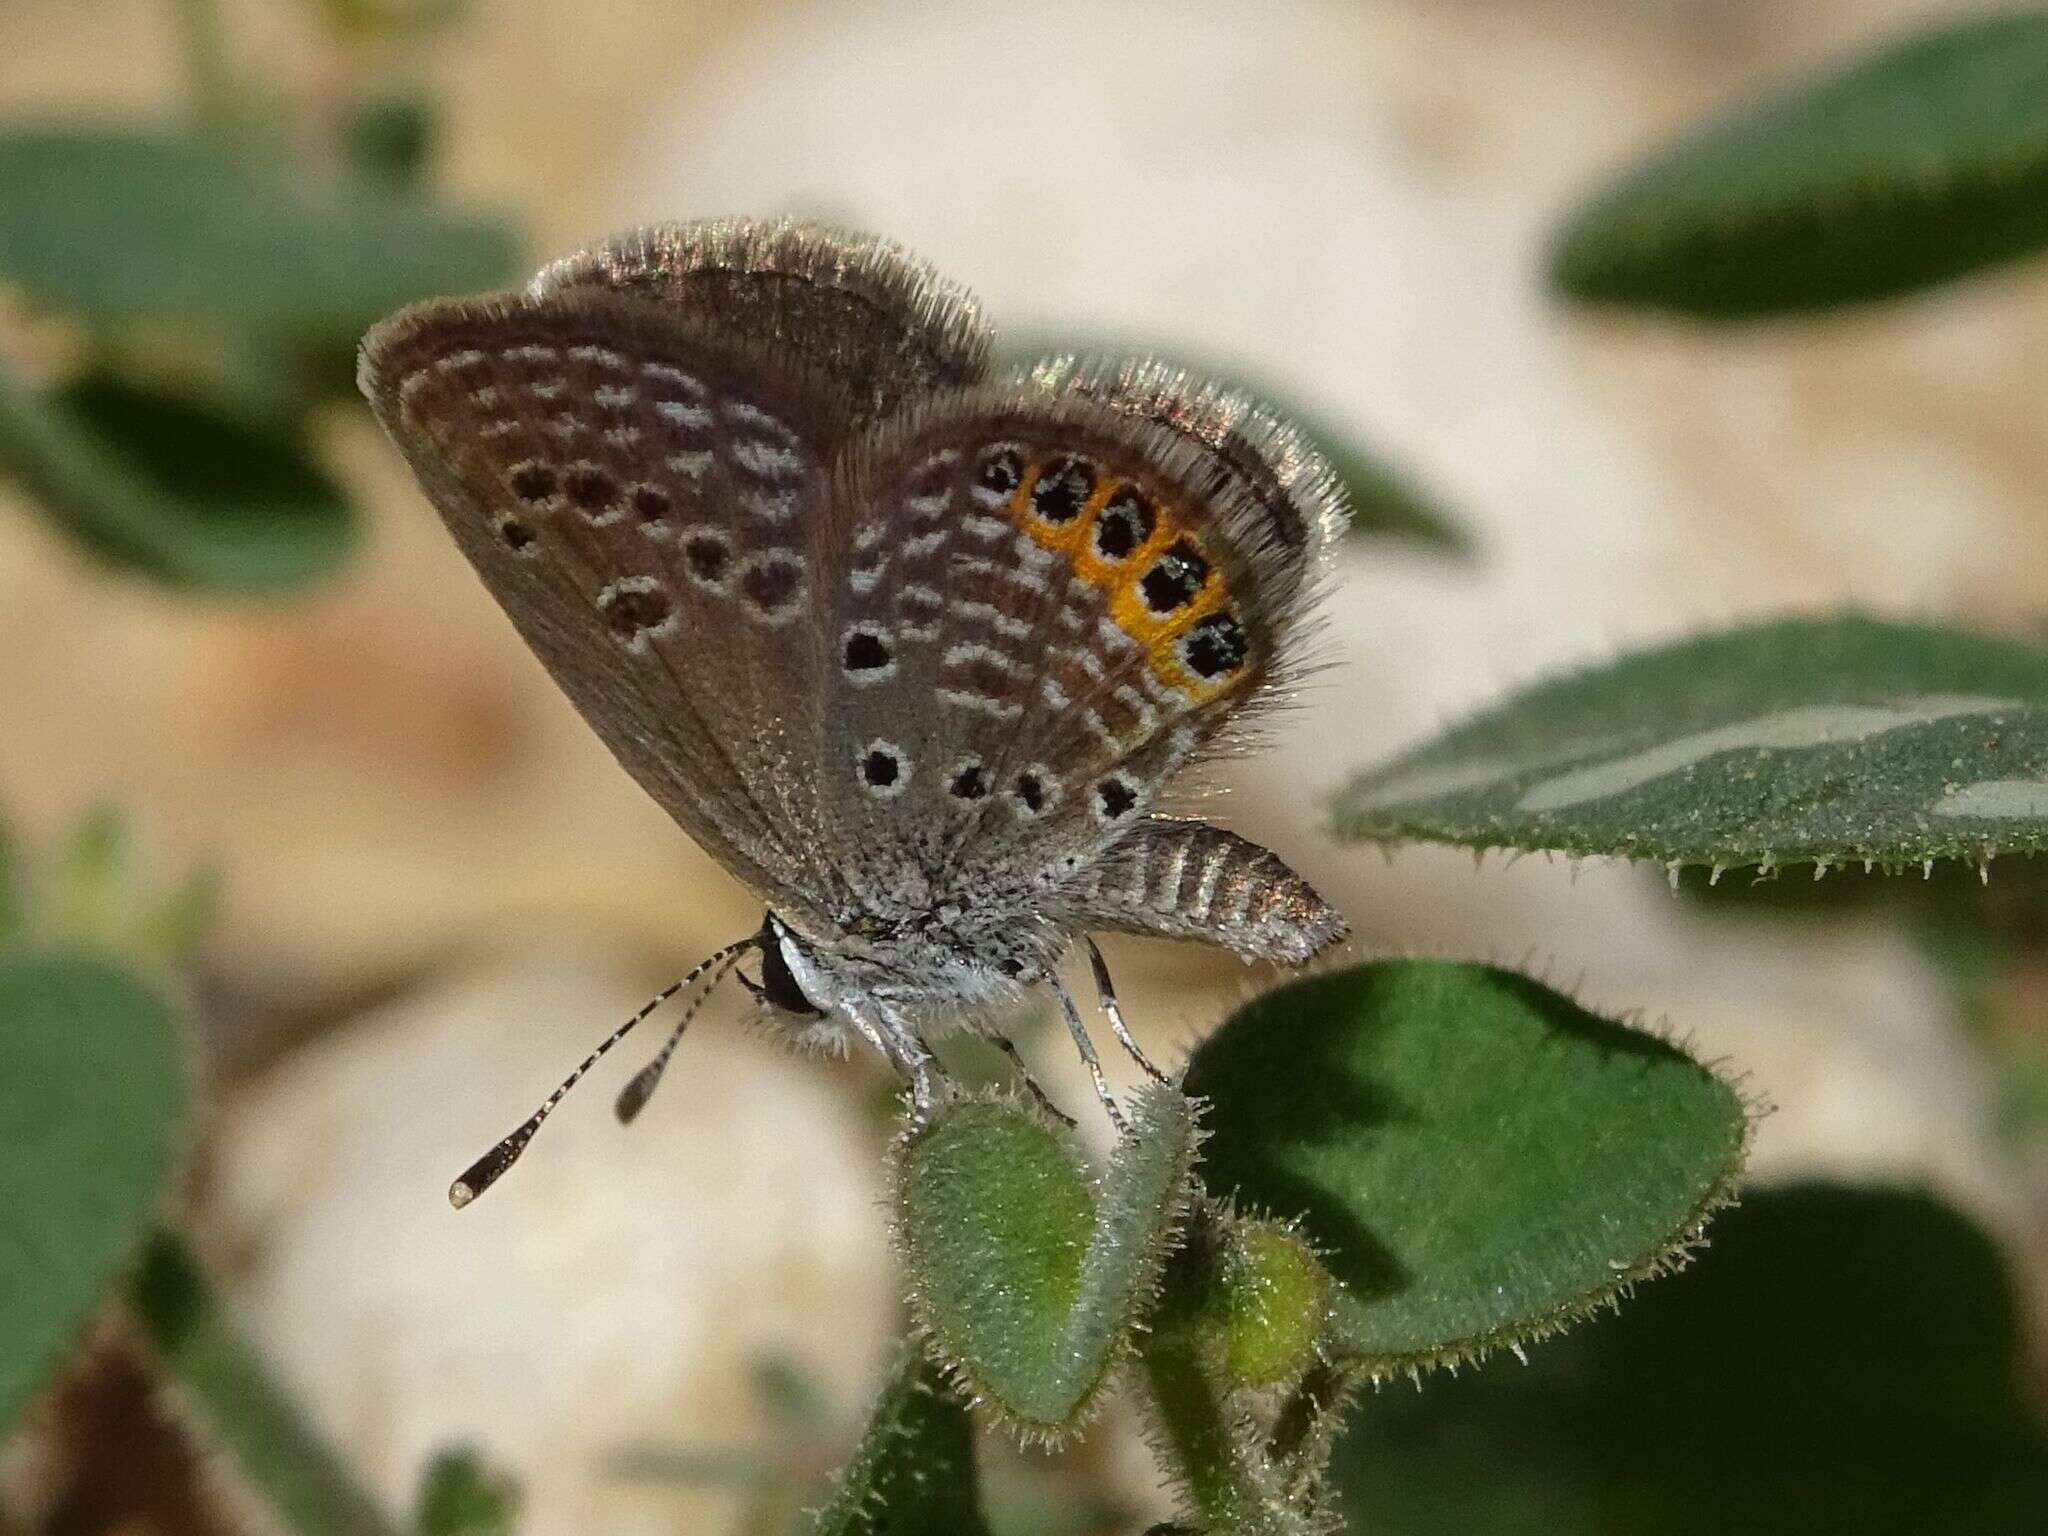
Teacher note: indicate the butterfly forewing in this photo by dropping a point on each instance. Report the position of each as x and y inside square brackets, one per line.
[645, 498]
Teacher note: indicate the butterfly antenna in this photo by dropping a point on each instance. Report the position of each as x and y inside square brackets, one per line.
[1087, 1049]
[634, 1096]
[1106, 990]
[488, 1169]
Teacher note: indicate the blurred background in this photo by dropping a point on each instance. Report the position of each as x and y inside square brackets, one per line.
[432, 889]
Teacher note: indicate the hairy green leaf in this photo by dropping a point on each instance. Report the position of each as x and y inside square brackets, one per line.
[913, 1473]
[1839, 1359]
[93, 1097]
[230, 1403]
[1027, 1276]
[1920, 162]
[116, 223]
[1795, 741]
[1478, 1159]
[169, 487]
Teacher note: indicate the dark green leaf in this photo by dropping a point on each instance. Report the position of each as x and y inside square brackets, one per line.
[1839, 1360]
[171, 488]
[235, 1408]
[461, 1495]
[116, 224]
[1797, 741]
[913, 1473]
[1920, 162]
[389, 138]
[92, 1101]
[1027, 1277]
[1479, 1159]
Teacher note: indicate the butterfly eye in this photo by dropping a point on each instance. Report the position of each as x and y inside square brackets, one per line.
[1125, 522]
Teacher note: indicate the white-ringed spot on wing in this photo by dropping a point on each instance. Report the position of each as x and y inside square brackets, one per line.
[1061, 490]
[1034, 792]
[998, 474]
[1126, 521]
[651, 506]
[1116, 798]
[968, 781]
[1214, 647]
[865, 654]
[707, 556]
[514, 534]
[531, 480]
[638, 609]
[1173, 580]
[593, 492]
[884, 770]
[772, 584]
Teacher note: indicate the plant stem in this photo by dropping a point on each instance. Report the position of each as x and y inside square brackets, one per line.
[223, 1390]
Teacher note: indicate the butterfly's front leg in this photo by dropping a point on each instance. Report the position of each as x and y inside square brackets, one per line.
[898, 1041]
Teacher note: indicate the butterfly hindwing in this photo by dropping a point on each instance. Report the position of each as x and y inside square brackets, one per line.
[1049, 596]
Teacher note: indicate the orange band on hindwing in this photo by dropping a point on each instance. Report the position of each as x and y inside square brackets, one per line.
[1158, 581]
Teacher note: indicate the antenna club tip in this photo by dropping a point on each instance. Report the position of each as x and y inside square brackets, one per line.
[460, 1194]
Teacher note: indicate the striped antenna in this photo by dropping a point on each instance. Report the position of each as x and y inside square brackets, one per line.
[491, 1167]
[634, 1096]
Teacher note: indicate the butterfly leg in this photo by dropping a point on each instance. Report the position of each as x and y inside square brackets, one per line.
[904, 1052]
[1106, 990]
[1009, 1048]
[1087, 1049]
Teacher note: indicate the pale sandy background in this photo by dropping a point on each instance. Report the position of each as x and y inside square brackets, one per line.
[1350, 198]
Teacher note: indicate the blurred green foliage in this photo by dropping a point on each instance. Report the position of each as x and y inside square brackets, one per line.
[211, 279]
[1841, 1360]
[1920, 163]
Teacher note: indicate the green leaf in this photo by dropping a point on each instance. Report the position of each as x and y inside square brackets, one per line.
[1027, 1276]
[388, 138]
[227, 1398]
[1839, 1359]
[114, 224]
[1243, 1311]
[169, 487]
[1796, 741]
[913, 1473]
[460, 1495]
[93, 1097]
[1478, 1159]
[1923, 161]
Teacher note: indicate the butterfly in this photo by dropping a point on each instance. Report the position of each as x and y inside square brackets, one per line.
[910, 644]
